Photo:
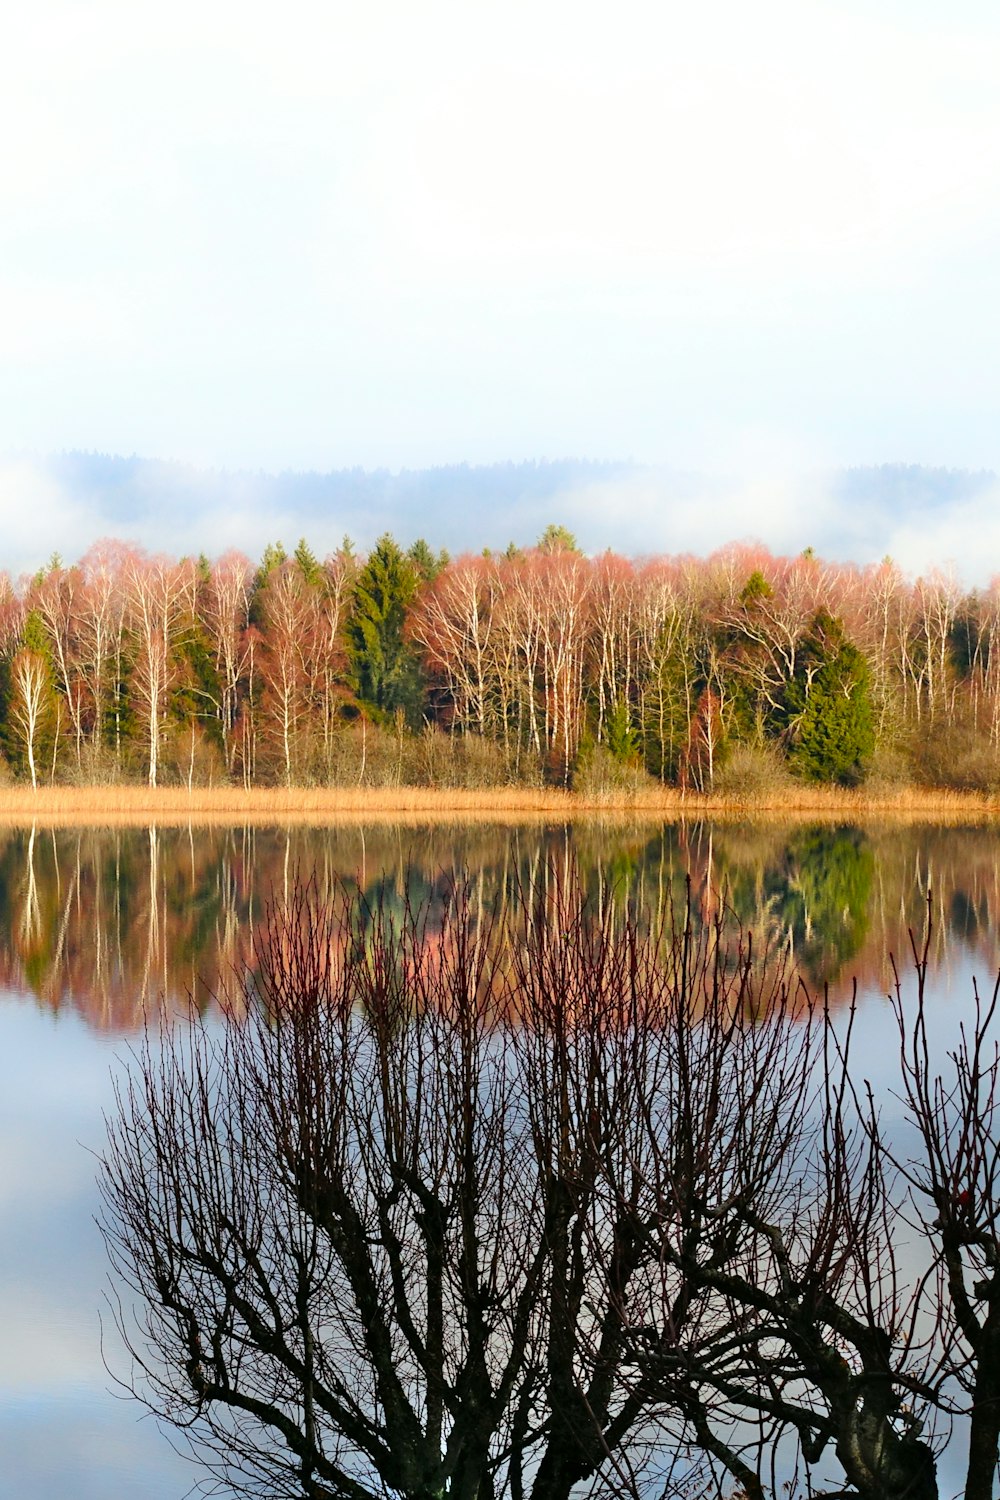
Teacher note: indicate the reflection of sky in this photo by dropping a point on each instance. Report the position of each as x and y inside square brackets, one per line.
[875, 1047]
[61, 1429]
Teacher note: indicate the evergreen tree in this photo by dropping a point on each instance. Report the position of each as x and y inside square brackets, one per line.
[34, 637]
[830, 707]
[619, 733]
[308, 564]
[755, 588]
[274, 556]
[425, 563]
[557, 539]
[198, 693]
[385, 668]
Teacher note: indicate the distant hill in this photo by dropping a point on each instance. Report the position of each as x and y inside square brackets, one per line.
[457, 506]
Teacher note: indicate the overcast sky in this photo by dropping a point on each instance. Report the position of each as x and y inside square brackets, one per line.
[739, 238]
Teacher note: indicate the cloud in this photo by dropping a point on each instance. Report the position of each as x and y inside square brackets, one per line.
[964, 537]
[392, 234]
[39, 516]
[647, 514]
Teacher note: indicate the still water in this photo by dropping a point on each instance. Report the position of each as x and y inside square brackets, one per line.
[97, 925]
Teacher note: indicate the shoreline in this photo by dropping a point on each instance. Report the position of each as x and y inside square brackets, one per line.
[141, 805]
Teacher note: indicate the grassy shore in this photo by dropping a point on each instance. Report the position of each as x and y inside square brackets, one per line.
[134, 805]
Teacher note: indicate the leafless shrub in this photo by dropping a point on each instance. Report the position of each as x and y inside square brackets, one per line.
[753, 773]
[462, 1203]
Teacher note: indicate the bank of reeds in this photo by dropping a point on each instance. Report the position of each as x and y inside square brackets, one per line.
[118, 805]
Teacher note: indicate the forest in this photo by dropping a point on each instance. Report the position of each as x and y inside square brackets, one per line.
[538, 665]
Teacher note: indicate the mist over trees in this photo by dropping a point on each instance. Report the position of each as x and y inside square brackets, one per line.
[118, 491]
[859, 513]
[535, 664]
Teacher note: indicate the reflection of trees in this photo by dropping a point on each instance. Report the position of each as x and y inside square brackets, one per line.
[107, 920]
[816, 899]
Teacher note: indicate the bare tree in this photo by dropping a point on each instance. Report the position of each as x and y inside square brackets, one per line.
[482, 1204]
[226, 614]
[158, 592]
[55, 596]
[952, 1177]
[453, 622]
[290, 645]
[30, 702]
[102, 604]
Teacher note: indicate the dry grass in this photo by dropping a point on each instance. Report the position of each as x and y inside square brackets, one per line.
[176, 805]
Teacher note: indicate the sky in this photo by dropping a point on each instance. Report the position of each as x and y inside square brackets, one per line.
[753, 240]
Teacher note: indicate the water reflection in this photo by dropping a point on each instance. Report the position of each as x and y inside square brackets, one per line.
[105, 921]
[814, 899]
[61, 1430]
[93, 923]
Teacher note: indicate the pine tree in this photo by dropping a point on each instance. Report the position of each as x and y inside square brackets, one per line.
[557, 539]
[385, 669]
[619, 733]
[426, 564]
[830, 707]
[274, 555]
[308, 564]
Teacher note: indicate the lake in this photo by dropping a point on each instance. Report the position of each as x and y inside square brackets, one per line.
[96, 925]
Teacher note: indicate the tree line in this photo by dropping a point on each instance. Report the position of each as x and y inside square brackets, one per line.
[535, 664]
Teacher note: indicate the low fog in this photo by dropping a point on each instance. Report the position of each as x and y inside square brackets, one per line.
[923, 517]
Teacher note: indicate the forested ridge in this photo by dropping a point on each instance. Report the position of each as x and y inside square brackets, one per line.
[533, 665]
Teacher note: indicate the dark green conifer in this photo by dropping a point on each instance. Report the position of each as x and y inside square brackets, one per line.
[557, 539]
[426, 563]
[756, 587]
[309, 564]
[619, 733]
[384, 666]
[830, 707]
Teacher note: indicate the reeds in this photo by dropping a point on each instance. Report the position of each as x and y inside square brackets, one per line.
[124, 805]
